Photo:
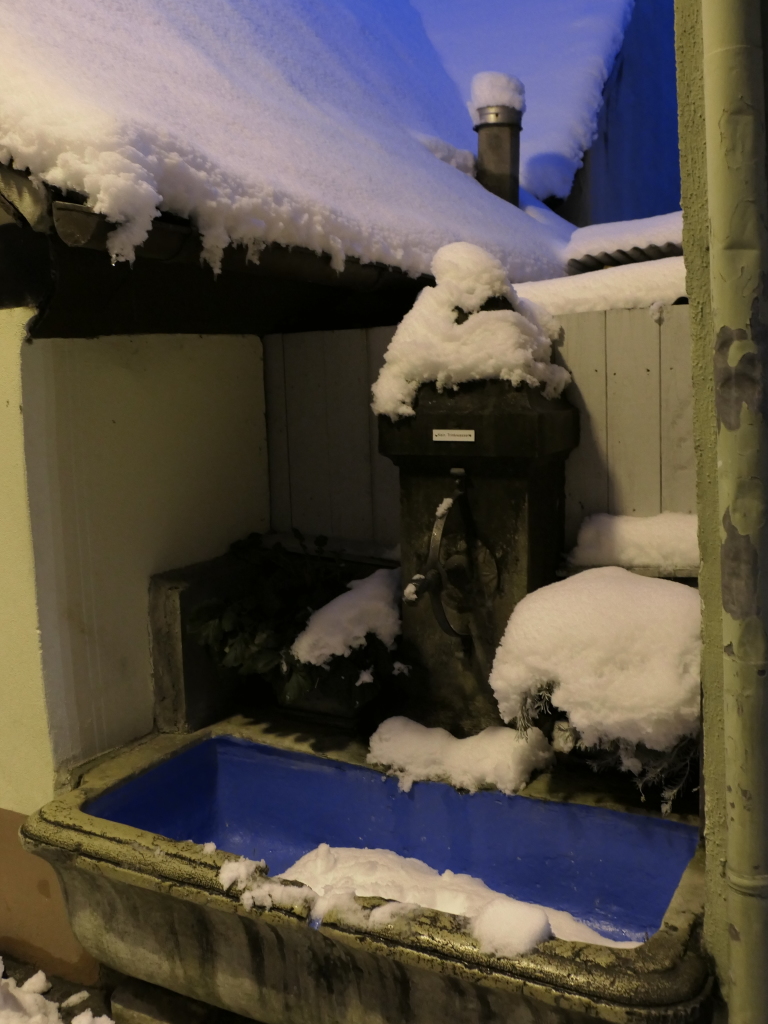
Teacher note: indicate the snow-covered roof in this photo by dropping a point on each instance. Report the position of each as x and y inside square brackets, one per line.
[288, 121]
[562, 50]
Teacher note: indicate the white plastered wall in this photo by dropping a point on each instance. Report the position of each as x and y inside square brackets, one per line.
[26, 763]
[143, 454]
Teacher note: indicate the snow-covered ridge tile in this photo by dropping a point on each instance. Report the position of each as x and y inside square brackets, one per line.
[620, 652]
[626, 234]
[636, 285]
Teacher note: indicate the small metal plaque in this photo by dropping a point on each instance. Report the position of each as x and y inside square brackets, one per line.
[453, 435]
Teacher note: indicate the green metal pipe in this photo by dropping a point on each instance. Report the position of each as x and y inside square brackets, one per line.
[734, 105]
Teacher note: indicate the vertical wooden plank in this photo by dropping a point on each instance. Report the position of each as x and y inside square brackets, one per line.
[349, 456]
[634, 424]
[277, 434]
[305, 391]
[385, 479]
[582, 351]
[678, 462]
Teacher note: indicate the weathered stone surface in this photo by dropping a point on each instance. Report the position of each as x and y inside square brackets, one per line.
[154, 909]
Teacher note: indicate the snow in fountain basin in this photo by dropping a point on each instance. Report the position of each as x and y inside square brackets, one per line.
[331, 877]
[511, 344]
[497, 756]
[26, 1004]
[371, 605]
[621, 650]
[666, 542]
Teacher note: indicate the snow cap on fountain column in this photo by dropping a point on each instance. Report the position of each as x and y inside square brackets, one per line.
[497, 107]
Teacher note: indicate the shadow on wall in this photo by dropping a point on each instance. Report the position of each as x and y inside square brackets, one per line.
[633, 167]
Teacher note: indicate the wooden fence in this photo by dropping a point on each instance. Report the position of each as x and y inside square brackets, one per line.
[632, 385]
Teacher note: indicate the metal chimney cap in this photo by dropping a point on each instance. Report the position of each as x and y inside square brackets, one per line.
[498, 114]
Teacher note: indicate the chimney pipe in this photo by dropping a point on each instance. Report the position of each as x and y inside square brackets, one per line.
[498, 150]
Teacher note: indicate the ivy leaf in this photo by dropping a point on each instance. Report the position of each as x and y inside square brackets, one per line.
[298, 686]
[262, 661]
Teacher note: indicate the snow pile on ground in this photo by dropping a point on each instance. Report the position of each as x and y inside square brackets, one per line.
[622, 652]
[668, 541]
[502, 925]
[626, 234]
[497, 756]
[429, 345]
[371, 605]
[562, 50]
[492, 88]
[282, 121]
[26, 1004]
[628, 287]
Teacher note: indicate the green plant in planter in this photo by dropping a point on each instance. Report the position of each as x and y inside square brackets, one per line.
[253, 627]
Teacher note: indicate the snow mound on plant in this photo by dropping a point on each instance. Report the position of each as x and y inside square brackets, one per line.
[621, 650]
[429, 345]
[668, 541]
[497, 756]
[371, 605]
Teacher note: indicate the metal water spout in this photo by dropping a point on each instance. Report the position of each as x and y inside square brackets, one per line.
[481, 521]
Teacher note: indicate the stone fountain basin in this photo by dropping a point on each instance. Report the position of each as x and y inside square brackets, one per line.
[145, 899]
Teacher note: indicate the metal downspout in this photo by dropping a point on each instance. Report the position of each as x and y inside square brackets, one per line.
[738, 226]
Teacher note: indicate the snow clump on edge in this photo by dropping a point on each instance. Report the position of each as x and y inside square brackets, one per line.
[495, 89]
[429, 345]
[497, 756]
[26, 1004]
[369, 606]
[667, 541]
[623, 652]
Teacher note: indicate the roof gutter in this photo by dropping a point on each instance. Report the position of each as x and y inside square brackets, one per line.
[737, 184]
[54, 256]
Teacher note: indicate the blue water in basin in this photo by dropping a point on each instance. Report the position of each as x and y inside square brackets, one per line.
[614, 871]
